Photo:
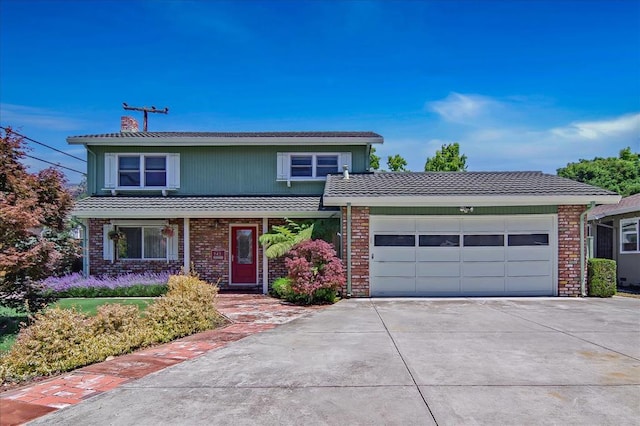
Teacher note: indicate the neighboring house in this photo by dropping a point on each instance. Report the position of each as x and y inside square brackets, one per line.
[201, 199]
[615, 229]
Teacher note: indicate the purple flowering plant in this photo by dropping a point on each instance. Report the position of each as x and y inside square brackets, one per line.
[76, 280]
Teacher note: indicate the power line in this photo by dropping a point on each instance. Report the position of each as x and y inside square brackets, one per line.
[55, 164]
[43, 144]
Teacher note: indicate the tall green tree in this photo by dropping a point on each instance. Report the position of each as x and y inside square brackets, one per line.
[374, 160]
[447, 159]
[620, 174]
[396, 163]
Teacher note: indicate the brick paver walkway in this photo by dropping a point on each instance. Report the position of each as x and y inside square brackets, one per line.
[249, 314]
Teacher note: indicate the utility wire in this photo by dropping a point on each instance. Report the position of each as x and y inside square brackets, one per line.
[43, 144]
[55, 164]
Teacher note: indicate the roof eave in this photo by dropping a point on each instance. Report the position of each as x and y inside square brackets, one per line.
[616, 212]
[475, 200]
[106, 213]
[223, 141]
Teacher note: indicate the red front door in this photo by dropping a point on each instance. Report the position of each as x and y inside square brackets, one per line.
[243, 255]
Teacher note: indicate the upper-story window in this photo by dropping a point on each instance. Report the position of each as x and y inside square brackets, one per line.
[630, 235]
[311, 166]
[142, 171]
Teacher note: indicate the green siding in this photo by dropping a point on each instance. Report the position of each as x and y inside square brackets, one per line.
[477, 211]
[242, 170]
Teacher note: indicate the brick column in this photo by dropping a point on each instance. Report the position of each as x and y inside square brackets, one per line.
[359, 250]
[569, 250]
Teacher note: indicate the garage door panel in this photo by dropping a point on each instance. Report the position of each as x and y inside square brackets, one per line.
[402, 254]
[438, 269]
[529, 269]
[394, 269]
[534, 286]
[441, 225]
[395, 224]
[529, 253]
[483, 224]
[438, 254]
[386, 286]
[483, 269]
[529, 224]
[482, 285]
[463, 255]
[436, 285]
[483, 254]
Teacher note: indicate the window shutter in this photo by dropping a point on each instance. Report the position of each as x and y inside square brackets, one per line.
[107, 243]
[173, 170]
[110, 171]
[173, 244]
[345, 159]
[283, 166]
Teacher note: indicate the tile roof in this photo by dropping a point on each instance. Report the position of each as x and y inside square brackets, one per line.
[312, 134]
[200, 206]
[626, 205]
[386, 184]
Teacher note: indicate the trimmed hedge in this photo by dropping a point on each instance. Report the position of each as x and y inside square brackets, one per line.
[64, 339]
[601, 277]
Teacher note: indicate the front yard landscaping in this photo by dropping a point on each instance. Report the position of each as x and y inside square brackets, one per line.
[76, 332]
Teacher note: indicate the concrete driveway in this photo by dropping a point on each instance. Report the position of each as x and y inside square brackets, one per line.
[404, 362]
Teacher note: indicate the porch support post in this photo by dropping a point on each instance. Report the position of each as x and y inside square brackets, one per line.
[187, 247]
[265, 261]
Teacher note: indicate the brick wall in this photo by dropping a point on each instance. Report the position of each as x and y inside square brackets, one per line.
[569, 250]
[359, 250]
[276, 266]
[100, 266]
[208, 235]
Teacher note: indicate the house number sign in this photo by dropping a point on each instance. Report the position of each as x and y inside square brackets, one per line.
[217, 254]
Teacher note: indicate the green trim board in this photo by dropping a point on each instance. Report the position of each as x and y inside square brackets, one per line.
[455, 211]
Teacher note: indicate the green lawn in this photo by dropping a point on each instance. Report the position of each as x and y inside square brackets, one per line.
[10, 319]
[90, 306]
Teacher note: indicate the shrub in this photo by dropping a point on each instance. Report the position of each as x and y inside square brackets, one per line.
[281, 287]
[63, 339]
[188, 307]
[313, 265]
[601, 277]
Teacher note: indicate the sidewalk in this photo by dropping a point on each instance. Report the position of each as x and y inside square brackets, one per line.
[249, 314]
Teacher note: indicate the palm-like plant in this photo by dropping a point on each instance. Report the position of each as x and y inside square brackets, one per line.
[282, 238]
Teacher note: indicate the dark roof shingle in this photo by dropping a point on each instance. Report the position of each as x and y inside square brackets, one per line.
[190, 205]
[310, 134]
[427, 184]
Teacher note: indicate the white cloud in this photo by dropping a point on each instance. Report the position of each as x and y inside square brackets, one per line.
[460, 108]
[626, 124]
[27, 116]
[517, 133]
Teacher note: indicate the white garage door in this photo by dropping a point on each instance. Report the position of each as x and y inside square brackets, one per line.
[463, 256]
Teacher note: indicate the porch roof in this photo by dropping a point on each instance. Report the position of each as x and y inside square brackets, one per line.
[198, 207]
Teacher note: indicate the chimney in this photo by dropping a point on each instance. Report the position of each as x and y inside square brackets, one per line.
[345, 172]
[128, 124]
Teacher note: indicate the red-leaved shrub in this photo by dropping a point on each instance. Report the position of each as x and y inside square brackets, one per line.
[313, 265]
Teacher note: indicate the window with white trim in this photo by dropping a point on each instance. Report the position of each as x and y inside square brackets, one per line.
[150, 171]
[311, 165]
[630, 235]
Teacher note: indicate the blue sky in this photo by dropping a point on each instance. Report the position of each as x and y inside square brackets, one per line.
[521, 85]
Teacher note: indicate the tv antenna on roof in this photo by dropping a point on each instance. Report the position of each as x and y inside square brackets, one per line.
[145, 111]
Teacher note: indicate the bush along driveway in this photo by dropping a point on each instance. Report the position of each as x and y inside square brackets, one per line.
[463, 361]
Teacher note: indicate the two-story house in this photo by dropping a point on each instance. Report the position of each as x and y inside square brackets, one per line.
[166, 200]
